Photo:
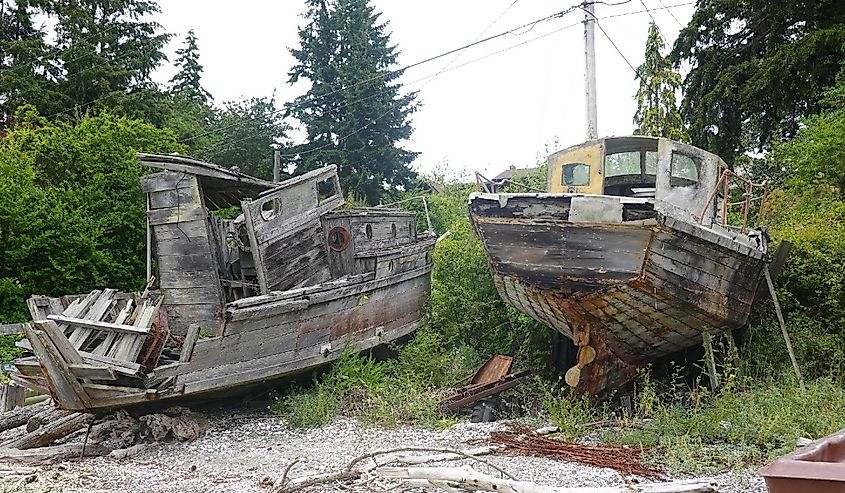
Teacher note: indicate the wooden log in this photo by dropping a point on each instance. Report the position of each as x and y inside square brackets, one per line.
[54, 453]
[473, 480]
[19, 416]
[48, 415]
[50, 432]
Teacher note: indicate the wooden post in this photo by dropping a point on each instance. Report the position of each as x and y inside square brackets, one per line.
[710, 360]
[11, 396]
[277, 165]
[771, 287]
[150, 241]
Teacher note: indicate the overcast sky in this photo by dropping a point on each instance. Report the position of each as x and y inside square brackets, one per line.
[506, 109]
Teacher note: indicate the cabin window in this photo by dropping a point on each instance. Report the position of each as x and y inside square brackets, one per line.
[651, 162]
[269, 209]
[622, 163]
[338, 239]
[393, 230]
[576, 174]
[326, 189]
[684, 167]
[369, 231]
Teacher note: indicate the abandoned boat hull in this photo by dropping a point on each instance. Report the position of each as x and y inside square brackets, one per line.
[284, 288]
[635, 290]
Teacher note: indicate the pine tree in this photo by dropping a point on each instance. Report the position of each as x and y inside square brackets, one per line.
[354, 113]
[26, 73]
[107, 51]
[657, 112]
[186, 83]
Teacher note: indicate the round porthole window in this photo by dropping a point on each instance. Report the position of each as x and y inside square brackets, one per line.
[393, 230]
[338, 239]
[369, 231]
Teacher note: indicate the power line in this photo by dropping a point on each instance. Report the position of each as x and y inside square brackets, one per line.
[389, 72]
[643, 11]
[671, 13]
[470, 62]
[612, 42]
[657, 26]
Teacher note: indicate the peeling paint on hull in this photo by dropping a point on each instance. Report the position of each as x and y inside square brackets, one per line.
[636, 290]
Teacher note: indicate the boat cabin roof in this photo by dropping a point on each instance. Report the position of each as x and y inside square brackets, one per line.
[221, 187]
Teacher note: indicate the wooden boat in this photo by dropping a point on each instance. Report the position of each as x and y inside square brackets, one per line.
[285, 287]
[630, 254]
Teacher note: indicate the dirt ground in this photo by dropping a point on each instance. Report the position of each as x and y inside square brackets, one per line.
[247, 449]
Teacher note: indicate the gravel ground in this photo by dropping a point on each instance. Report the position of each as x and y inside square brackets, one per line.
[246, 450]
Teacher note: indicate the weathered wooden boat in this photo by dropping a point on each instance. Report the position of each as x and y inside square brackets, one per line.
[285, 287]
[630, 254]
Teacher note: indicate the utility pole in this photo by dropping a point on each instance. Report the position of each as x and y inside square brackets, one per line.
[590, 68]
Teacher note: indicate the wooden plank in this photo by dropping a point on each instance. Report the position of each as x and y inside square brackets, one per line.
[177, 164]
[60, 342]
[92, 372]
[11, 329]
[277, 365]
[62, 383]
[98, 309]
[189, 342]
[174, 198]
[105, 326]
[173, 215]
[185, 229]
[167, 180]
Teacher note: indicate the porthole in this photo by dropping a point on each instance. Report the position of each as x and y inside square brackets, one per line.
[338, 239]
[390, 266]
[369, 231]
[393, 230]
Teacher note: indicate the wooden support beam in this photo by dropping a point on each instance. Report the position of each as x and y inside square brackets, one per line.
[93, 324]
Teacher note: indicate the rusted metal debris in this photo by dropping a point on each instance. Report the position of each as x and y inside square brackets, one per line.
[492, 378]
[627, 461]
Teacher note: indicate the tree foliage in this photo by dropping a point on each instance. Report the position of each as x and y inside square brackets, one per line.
[72, 214]
[757, 68]
[96, 55]
[657, 111]
[187, 82]
[354, 113]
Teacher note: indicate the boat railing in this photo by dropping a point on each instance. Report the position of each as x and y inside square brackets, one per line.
[409, 199]
[731, 184]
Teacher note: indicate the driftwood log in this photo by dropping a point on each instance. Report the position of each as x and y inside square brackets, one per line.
[20, 416]
[55, 452]
[452, 478]
[50, 432]
[48, 415]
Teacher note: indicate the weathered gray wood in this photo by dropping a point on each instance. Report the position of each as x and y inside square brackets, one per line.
[92, 372]
[105, 326]
[189, 342]
[174, 215]
[174, 198]
[19, 417]
[167, 180]
[62, 383]
[47, 415]
[53, 453]
[11, 396]
[276, 365]
[98, 309]
[50, 432]
[181, 164]
[185, 229]
[11, 329]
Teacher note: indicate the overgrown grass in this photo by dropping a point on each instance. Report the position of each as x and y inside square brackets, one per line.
[382, 393]
[740, 425]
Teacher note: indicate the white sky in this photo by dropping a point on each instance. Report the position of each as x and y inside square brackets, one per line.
[504, 110]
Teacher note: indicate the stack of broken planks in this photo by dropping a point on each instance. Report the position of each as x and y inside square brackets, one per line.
[90, 348]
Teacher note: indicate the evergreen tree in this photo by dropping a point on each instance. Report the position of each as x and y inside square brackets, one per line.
[354, 113]
[26, 74]
[758, 67]
[186, 83]
[657, 112]
[253, 131]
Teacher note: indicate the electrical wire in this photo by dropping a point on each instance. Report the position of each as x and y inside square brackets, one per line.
[470, 62]
[387, 73]
[671, 13]
[656, 25]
